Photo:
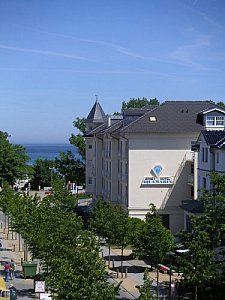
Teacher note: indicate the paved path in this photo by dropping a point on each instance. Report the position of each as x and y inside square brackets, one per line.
[133, 272]
[11, 250]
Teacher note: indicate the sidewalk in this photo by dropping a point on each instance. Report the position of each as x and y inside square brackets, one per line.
[133, 272]
[10, 250]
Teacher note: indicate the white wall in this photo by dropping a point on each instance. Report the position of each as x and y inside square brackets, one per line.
[168, 150]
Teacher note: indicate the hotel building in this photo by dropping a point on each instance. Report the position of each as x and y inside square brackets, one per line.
[144, 156]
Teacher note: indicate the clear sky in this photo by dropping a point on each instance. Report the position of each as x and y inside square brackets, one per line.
[56, 55]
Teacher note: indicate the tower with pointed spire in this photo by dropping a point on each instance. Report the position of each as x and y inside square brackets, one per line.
[96, 116]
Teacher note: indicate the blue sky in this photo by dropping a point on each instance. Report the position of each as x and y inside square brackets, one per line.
[55, 56]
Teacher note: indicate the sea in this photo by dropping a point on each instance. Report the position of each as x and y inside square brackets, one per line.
[47, 151]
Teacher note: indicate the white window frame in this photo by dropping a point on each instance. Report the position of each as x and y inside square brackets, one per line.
[219, 121]
[215, 121]
[210, 121]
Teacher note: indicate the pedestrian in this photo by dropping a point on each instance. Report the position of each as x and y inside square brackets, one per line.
[13, 292]
[173, 290]
[7, 271]
[12, 269]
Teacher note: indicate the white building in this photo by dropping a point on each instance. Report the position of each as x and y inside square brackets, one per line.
[210, 145]
[144, 156]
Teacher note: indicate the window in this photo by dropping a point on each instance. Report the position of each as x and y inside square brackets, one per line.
[215, 121]
[205, 154]
[219, 121]
[89, 146]
[217, 157]
[210, 121]
[165, 220]
[152, 119]
[89, 180]
[204, 182]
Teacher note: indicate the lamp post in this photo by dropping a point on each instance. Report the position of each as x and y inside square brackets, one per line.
[170, 255]
[157, 279]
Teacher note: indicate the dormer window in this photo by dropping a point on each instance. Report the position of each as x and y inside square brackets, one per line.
[152, 119]
[216, 121]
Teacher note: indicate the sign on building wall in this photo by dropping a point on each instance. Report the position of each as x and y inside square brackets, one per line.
[156, 177]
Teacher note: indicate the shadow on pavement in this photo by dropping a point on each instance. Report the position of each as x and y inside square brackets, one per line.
[117, 257]
[19, 274]
[130, 269]
[26, 292]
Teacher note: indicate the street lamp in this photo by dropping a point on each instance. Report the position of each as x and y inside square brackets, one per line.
[170, 255]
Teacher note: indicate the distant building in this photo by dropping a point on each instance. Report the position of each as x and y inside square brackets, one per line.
[144, 156]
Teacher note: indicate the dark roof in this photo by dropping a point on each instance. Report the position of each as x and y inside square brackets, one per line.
[97, 129]
[104, 128]
[171, 116]
[214, 137]
[114, 126]
[192, 206]
[138, 111]
[96, 114]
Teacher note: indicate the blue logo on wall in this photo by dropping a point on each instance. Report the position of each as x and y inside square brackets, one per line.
[157, 170]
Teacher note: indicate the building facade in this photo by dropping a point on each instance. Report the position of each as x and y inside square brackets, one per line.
[210, 146]
[144, 156]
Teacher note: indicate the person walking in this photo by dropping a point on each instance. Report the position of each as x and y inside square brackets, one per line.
[12, 269]
[173, 290]
[7, 271]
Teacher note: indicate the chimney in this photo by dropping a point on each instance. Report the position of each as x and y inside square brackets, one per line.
[109, 121]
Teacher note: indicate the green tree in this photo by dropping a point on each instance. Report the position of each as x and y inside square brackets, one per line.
[213, 218]
[197, 264]
[138, 103]
[154, 240]
[78, 140]
[69, 254]
[102, 222]
[145, 289]
[219, 103]
[43, 173]
[70, 168]
[13, 161]
[135, 226]
[120, 223]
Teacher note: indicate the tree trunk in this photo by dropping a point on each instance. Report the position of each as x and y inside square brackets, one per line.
[109, 256]
[196, 292]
